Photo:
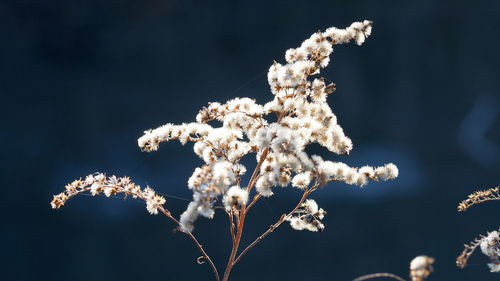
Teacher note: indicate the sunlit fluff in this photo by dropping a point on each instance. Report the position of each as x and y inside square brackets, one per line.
[277, 133]
[304, 117]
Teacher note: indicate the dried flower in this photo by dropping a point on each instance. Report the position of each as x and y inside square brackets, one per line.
[98, 183]
[490, 246]
[243, 127]
[304, 118]
[307, 216]
[479, 196]
[421, 268]
[235, 198]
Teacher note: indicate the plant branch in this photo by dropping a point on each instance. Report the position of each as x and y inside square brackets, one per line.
[231, 225]
[240, 217]
[379, 275]
[196, 242]
[236, 244]
[254, 200]
[256, 171]
[282, 219]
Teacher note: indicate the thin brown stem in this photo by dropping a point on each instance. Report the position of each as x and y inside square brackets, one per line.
[240, 217]
[196, 242]
[254, 200]
[282, 219]
[379, 275]
[231, 224]
[478, 197]
[256, 171]
[236, 244]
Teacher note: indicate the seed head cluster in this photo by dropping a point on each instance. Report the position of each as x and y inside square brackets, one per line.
[303, 117]
[308, 216]
[276, 133]
[479, 196]
[98, 183]
[421, 267]
[489, 245]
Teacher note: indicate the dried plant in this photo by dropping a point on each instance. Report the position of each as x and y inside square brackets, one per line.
[420, 269]
[490, 246]
[479, 196]
[490, 243]
[303, 117]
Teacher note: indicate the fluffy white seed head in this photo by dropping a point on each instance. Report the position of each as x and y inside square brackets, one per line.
[302, 180]
[310, 206]
[307, 217]
[490, 246]
[421, 268]
[235, 198]
[153, 203]
[189, 217]
[303, 117]
[300, 116]
[387, 172]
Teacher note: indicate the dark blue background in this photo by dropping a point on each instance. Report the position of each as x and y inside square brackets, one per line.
[80, 81]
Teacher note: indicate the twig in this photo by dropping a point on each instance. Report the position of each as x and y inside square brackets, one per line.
[254, 200]
[231, 224]
[468, 250]
[478, 197]
[198, 245]
[241, 217]
[379, 275]
[282, 219]
[236, 244]
[256, 171]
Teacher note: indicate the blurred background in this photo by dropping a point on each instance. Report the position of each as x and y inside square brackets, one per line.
[81, 80]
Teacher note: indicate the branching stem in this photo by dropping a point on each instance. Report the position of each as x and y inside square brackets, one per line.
[240, 217]
[193, 238]
[282, 219]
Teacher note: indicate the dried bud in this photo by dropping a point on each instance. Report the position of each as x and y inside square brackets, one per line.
[421, 268]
